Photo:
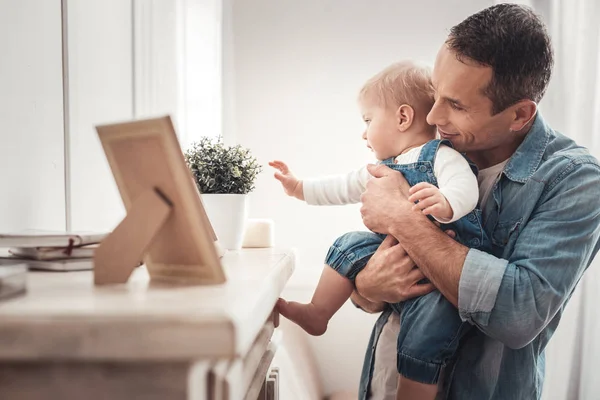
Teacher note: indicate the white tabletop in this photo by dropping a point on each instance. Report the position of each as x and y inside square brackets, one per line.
[64, 316]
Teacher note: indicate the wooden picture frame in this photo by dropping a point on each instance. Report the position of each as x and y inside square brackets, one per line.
[166, 225]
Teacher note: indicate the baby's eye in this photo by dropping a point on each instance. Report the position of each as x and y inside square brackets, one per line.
[367, 121]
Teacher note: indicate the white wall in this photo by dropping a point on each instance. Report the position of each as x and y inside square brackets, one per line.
[100, 81]
[31, 118]
[297, 67]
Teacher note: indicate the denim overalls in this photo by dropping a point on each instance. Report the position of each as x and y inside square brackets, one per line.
[430, 325]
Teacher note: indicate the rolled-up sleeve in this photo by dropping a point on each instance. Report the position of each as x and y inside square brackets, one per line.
[479, 283]
[514, 300]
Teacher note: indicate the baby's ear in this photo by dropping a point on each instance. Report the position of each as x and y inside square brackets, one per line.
[405, 116]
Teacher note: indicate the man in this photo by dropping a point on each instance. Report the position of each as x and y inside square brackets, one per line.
[540, 197]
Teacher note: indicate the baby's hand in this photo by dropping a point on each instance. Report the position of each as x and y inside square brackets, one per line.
[291, 185]
[430, 201]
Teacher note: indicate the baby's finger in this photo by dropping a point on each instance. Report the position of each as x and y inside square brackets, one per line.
[422, 194]
[280, 165]
[432, 209]
[283, 167]
[279, 177]
[423, 204]
[274, 164]
[419, 186]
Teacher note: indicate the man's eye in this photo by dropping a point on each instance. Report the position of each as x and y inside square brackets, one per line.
[456, 107]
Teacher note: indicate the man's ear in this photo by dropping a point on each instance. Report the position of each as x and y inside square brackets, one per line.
[405, 116]
[522, 114]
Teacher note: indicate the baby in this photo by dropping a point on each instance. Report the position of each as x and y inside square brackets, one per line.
[394, 105]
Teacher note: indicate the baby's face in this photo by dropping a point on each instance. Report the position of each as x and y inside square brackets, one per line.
[381, 132]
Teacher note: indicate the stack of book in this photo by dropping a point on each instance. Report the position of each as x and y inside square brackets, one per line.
[51, 251]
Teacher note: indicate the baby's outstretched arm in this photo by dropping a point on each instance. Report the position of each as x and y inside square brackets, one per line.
[323, 191]
[291, 185]
[431, 201]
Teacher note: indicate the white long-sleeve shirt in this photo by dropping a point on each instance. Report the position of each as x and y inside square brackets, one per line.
[455, 178]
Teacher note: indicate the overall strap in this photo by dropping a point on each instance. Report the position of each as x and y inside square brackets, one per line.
[388, 161]
[430, 149]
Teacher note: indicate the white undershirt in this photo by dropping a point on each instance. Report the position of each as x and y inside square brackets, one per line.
[486, 179]
[384, 382]
[453, 174]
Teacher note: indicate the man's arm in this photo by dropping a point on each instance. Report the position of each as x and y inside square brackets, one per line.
[386, 209]
[390, 275]
[510, 300]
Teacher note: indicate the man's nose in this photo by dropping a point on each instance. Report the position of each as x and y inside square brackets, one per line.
[437, 115]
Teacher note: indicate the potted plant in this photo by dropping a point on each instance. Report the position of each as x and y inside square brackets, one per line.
[224, 175]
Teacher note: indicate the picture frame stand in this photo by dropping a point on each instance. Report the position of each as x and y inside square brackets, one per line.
[123, 250]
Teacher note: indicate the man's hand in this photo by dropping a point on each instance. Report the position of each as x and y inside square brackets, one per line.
[430, 201]
[390, 275]
[384, 198]
[366, 305]
[291, 185]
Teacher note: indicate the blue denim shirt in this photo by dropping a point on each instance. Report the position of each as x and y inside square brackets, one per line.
[544, 220]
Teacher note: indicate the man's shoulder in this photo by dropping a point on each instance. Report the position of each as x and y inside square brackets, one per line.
[563, 157]
[561, 148]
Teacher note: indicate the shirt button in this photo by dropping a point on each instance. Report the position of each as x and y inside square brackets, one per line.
[423, 168]
[474, 242]
[472, 217]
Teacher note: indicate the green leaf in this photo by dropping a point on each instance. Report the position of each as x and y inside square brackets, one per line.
[217, 168]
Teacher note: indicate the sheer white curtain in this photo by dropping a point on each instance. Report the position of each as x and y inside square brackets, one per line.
[572, 106]
[178, 64]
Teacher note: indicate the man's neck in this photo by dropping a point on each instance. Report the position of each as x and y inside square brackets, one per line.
[490, 157]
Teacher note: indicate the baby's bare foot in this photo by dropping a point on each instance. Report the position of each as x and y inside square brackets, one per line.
[305, 315]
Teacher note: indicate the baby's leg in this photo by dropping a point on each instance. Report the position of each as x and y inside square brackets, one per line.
[332, 292]
[346, 258]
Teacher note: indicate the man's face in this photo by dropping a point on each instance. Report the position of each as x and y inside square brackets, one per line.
[462, 112]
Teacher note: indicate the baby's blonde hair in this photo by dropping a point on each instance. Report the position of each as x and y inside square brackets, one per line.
[404, 82]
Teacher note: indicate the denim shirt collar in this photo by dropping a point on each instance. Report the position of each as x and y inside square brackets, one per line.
[525, 161]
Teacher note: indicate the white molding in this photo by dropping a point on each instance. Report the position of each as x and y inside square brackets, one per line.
[228, 114]
[66, 111]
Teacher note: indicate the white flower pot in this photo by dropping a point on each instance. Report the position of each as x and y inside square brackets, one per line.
[227, 214]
